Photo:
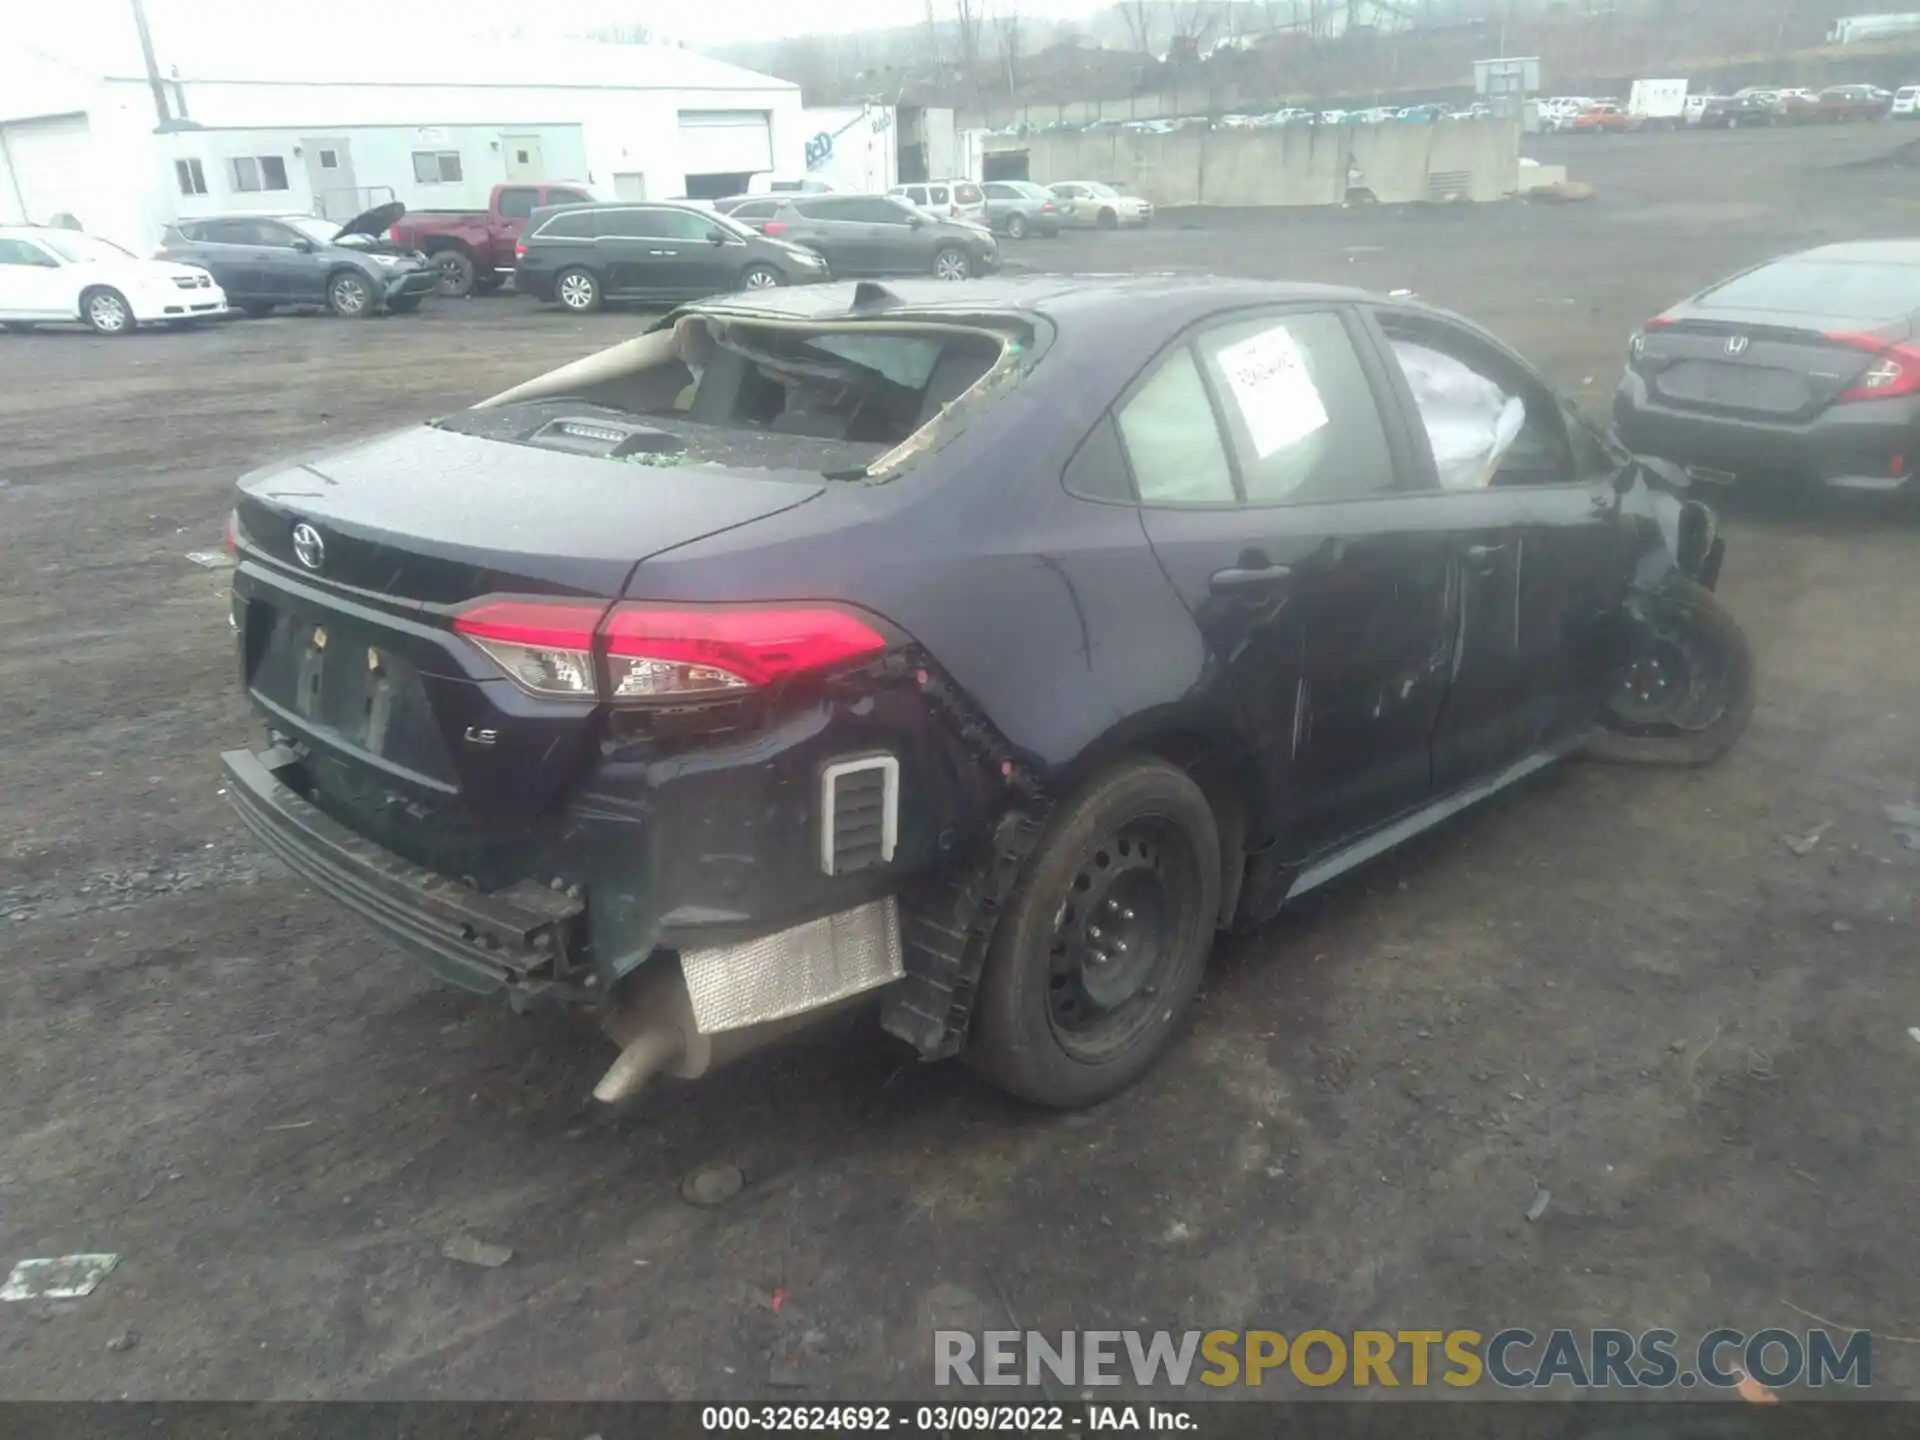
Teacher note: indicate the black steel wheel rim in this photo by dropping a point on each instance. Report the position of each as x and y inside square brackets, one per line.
[1115, 947]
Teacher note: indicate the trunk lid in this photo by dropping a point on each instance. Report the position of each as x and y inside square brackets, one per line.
[1771, 365]
[414, 738]
[434, 516]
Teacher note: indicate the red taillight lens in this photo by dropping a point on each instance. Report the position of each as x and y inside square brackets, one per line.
[774, 227]
[545, 647]
[708, 652]
[233, 534]
[548, 647]
[1894, 372]
[1046, 207]
[519, 249]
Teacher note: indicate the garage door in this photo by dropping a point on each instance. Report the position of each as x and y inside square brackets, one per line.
[44, 169]
[725, 142]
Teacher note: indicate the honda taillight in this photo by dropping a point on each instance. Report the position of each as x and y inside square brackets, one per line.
[553, 649]
[710, 652]
[1894, 372]
[774, 227]
[545, 647]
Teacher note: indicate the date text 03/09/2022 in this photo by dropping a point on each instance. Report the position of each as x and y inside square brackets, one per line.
[912, 1419]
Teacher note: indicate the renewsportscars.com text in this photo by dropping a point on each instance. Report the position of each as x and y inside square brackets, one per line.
[1511, 1358]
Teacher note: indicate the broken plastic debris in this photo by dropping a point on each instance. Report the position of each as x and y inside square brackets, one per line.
[68, 1277]
[470, 1251]
[1539, 1206]
[211, 559]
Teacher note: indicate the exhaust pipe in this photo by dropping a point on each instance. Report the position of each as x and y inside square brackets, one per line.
[654, 1026]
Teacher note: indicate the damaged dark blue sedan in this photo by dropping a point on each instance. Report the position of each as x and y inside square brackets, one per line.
[983, 650]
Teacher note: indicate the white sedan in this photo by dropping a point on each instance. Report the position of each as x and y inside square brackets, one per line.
[1093, 203]
[52, 276]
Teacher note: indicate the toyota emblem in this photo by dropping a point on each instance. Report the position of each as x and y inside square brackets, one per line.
[308, 548]
[1737, 345]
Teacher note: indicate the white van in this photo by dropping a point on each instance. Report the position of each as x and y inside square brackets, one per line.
[949, 199]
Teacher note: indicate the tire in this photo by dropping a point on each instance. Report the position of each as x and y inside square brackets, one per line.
[256, 309]
[1016, 226]
[106, 312]
[403, 304]
[578, 290]
[1108, 220]
[952, 263]
[1065, 1018]
[1689, 630]
[453, 273]
[349, 295]
[759, 277]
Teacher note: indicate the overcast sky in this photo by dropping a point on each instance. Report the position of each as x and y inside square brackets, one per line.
[222, 26]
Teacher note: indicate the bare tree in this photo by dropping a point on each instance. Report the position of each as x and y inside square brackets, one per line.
[1140, 22]
[968, 17]
[1007, 26]
[1189, 22]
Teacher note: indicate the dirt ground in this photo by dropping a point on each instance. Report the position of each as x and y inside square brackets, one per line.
[1621, 986]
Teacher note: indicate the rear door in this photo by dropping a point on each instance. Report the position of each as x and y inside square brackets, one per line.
[638, 255]
[33, 284]
[897, 240]
[226, 248]
[832, 225]
[1269, 461]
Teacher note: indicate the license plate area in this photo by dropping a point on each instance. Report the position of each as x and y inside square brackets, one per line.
[343, 683]
[1709, 475]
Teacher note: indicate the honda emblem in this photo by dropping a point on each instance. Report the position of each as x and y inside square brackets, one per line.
[1737, 345]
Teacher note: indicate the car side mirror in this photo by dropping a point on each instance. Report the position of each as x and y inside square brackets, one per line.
[716, 237]
[916, 222]
[305, 247]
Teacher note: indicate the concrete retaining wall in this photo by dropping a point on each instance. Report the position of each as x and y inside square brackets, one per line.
[1290, 165]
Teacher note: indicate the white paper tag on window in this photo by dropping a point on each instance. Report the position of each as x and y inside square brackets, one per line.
[1277, 397]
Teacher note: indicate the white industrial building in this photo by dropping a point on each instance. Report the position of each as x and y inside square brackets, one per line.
[338, 129]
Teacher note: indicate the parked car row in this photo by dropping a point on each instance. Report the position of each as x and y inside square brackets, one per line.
[208, 267]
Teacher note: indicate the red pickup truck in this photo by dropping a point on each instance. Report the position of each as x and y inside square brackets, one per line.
[472, 250]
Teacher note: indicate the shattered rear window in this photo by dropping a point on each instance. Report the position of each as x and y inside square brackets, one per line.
[851, 400]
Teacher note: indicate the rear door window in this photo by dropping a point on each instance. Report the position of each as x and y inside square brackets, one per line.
[1172, 438]
[567, 197]
[967, 194]
[937, 194]
[518, 202]
[572, 225]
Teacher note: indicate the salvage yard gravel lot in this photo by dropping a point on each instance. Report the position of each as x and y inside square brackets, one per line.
[1678, 1002]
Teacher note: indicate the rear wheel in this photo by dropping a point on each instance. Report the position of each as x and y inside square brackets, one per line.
[1101, 951]
[1109, 220]
[1016, 226]
[1686, 693]
[577, 290]
[952, 264]
[350, 296]
[106, 311]
[453, 273]
[759, 277]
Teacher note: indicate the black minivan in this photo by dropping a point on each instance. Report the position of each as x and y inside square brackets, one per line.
[585, 255]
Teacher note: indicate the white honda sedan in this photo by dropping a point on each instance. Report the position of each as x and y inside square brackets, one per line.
[50, 276]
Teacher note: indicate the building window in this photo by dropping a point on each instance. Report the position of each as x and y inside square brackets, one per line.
[436, 167]
[193, 180]
[259, 172]
[329, 160]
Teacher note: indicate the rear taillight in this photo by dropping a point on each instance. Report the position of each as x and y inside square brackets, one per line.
[557, 649]
[546, 648]
[519, 249]
[1894, 372]
[1046, 207]
[233, 534]
[774, 227]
